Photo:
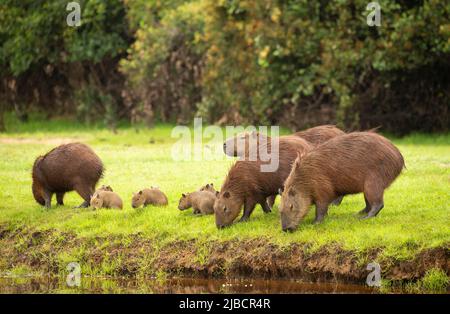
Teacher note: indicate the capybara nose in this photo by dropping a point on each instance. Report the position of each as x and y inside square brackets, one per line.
[133, 206]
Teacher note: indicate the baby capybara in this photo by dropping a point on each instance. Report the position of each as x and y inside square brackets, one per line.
[152, 196]
[238, 146]
[247, 185]
[356, 162]
[202, 202]
[208, 187]
[106, 199]
[68, 167]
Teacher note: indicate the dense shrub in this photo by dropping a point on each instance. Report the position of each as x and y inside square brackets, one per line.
[296, 62]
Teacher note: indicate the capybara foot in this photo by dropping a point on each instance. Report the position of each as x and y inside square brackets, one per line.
[243, 219]
[85, 204]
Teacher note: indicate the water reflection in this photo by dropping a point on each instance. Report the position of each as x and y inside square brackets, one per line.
[175, 285]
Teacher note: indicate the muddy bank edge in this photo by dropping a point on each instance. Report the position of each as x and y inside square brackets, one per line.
[50, 251]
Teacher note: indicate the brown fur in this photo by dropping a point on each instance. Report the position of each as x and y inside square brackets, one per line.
[349, 164]
[152, 196]
[202, 202]
[106, 199]
[320, 134]
[66, 168]
[246, 185]
[208, 187]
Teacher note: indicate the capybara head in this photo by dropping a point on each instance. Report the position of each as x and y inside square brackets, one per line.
[226, 208]
[239, 145]
[290, 210]
[138, 199]
[36, 186]
[96, 201]
[209, 187]
[184, 202]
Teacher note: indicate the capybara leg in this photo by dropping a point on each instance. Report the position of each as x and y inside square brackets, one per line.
[366, 209]
[265, 207]
[60, 198]
[337, 201]
[249, 205]
[321, 213]
[375, 210]
[48, 199]
[271, 201]
[86, 193]
[373, 193]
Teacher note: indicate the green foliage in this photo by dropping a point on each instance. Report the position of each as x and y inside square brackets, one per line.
[35, 33]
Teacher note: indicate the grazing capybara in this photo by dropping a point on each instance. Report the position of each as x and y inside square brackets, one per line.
[238, 146]
[356, 162]
[152, 196]
[202, 202]
[65, 168]
[208, 187]
[247, 185]
[106, 199]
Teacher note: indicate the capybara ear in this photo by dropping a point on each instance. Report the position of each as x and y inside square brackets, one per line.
[183, 195]
[140, 192]
[207, 186]
[217, 193]
[211, 184]
[226, 194]
[281, 190]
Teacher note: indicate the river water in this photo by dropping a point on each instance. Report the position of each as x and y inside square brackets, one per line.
[174, 285]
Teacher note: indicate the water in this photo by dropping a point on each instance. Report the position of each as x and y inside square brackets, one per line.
[174, 285]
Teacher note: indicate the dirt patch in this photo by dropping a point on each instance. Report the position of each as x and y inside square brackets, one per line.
[47, 141]
[50, 251]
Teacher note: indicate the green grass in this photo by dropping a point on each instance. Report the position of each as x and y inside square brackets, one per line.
[416, 213]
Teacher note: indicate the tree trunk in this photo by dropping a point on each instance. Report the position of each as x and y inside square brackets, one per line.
[2, 118]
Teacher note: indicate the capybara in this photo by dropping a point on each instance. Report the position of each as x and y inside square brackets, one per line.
[202, 202]
[348, 164]
[208, 187]
[238, 146]
[106, 199]
[247, 185]
[65, 168]
[152, 196]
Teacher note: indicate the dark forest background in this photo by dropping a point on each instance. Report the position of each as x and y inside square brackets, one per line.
[295, 63]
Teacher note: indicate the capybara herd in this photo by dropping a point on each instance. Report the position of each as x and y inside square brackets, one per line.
[317, 166]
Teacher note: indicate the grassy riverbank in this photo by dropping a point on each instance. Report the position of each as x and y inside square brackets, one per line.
[416, 216]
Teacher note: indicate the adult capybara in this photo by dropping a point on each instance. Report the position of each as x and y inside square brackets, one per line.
[68, 167]
[152, 196]
[238, 146]
[202, 202]
[208, 187]
[106, 199]
[349, 164]
[247, 185]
